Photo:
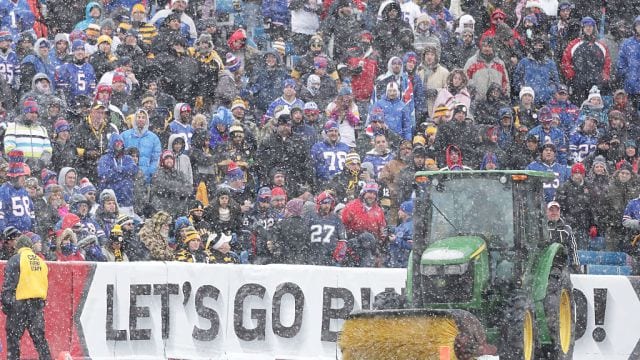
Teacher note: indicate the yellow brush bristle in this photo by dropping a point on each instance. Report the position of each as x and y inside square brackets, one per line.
[397, 338]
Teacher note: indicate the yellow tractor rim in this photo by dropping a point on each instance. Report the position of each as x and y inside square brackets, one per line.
[564, 325]
[527, 333]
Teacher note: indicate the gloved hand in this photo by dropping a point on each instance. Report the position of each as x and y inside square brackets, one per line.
[593, 231]
[340, 251]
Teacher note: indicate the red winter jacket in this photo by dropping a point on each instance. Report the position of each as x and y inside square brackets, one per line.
[357, 219]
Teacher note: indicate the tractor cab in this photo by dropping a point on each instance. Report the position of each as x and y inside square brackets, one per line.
[481, 252]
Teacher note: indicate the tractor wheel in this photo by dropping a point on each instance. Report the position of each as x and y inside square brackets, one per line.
[518, 330]
[559, 309]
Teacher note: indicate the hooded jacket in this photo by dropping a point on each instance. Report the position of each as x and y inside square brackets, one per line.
[33, 64]
[396, 115]
[147, 143]
[267, 81]
[177, 127]
[88, 20]
[182, 161]
[542, 76]
[118, 173]
[629, 64]
[66, 191]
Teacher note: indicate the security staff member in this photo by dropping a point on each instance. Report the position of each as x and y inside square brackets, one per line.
[23, 298]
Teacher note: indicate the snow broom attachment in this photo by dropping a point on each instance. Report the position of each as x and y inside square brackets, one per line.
[412, 334]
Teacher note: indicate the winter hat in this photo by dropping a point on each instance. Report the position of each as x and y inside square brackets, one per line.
[460, 108]
[5, 35]
[104, 38]
[419, 151]
[311, 106]
[505, 112]
[565, 5]
[123, 219]
[30, 106]
[138, 8]
[330, 124]
[527, 90]
[352, 157]
[279, 46]
[376, 114]
[61, 125]
[278, 192]
[85, 186]
[234, 172]
[107, 195]
[532, 18]
[288, 83]
[35, 238]
[264, 194]
[392, 85]
[313, 79]
[617, 114]
[23, 241]
[630, 143]
[77, 45]
[236, 127]
[70, 220]
[232, 63]
[48, 177]
[294, 208]
[238, 103]
[205, 38]
[593, 93]
[191, 235]
[587, 20]
[93, 30]
[440, 111]
[10, 233]
[407, 207]
[165, 154]
[16, 163]
[370, 187]
[578, 168]
[119, 77]
[181, 223]
[545, 115]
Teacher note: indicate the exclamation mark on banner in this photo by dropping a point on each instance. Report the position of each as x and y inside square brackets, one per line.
[600, 308]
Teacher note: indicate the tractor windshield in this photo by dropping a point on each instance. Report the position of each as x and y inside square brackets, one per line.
[473, 206]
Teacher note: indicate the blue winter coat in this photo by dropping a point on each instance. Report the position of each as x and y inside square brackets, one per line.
[117, 174]
[562, 172]
[149, 146]
[629, 65]
[400, 249]
[396, 116]
[88, 20]
[541, 76]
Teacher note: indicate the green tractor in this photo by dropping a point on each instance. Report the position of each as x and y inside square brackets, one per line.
[483, 277]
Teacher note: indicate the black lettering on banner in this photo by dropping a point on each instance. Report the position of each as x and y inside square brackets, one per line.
[204, 292]
[298, 296]
[581, 312]
[365, 298]
[186, 292]
[111, 333]
[328, 313]
[635, 283]
[260, 315]
[164, 290]
[136, 312]
[600, 308]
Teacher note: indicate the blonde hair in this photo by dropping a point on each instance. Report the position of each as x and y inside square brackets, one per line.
[199, 121]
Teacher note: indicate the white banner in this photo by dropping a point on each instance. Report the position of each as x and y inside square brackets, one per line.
[175, 310]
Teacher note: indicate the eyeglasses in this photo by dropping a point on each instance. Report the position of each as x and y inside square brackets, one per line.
[316, 45]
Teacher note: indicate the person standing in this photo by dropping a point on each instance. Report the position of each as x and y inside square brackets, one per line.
[24, 292]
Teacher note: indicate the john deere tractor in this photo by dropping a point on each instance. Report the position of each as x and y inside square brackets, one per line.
[483, 277]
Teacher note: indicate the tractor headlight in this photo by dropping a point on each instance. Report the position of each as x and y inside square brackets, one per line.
[456, 269]
[429, 270]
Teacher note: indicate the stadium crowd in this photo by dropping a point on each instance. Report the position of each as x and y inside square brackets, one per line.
[289, 131]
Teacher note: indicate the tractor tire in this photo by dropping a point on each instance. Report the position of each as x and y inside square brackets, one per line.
[518, 330]
[559, 308]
